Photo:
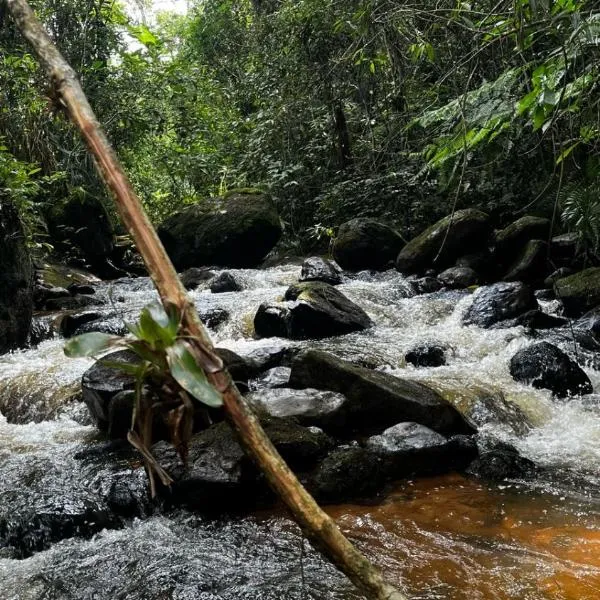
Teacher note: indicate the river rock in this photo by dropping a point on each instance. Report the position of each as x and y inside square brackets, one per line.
[426, 356]
[364, 243]
[16, 280]
[81, 288]
[376, 399]
[511, 240]
[556, 275]
[72, 302]
[531, 265]
[498, 302]
[277, 377]
[237, 231]
[270, 356]
[191, 278]
[310, 407]
[314, 310]
[564, 250]
[349, 472]
[465, 231]
[537, 319]
[545, 366]
[499, 461]
[425, 285]
[226, 282]
[70, 324]
[241, 368]
[458, 277]
[579, 292]
[316, 268]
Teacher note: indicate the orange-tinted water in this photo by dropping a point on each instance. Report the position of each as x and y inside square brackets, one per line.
[454, 538]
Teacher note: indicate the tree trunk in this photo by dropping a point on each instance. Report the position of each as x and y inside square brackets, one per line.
[317, 525]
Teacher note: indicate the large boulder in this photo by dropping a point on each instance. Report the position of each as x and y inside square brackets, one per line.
[364, 243]
[82, 222]
[376, 399]
[16, 280]
[512, 239]
[316, 268]
[531, 264]
[464, 232]
[238, 231]
[458, 277]
[498, 302]
[314, 310]
[545, 366]
[579, 292]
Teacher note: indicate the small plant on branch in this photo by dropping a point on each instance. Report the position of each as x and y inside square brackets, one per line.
[168, 380]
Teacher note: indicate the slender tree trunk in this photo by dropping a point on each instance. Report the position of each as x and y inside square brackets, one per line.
[317, 525]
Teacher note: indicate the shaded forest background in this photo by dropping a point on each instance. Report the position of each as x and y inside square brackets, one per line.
[338, 109]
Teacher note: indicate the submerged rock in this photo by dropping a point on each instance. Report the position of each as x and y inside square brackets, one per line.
[465, 231]
[545, 366]
[226, 282]
[364, 243]
[376, 399]
[498, 302]
[16, 280]
[316, 268]
[458, 277]
[499, 461]
[426, 356]
[277, 377]
[579, 292]
[425, 285]
[237, 231]
[191, 278]
[315, 310]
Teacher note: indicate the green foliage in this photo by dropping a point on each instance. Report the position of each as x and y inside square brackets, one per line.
[168, 377]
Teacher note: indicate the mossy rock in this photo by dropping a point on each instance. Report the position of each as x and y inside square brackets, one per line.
[579, 292]
[511, 240]
[531, 265]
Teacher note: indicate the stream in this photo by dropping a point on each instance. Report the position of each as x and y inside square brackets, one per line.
[448, 537]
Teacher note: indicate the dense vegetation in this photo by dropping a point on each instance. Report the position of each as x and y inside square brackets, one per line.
[402, 110]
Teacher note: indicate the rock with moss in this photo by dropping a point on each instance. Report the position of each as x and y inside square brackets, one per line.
[237, 231]
[376, 399]
[579, 292]
[16, 281]
[531, 265]
[313, 310]
[464, 232]
[365, 243]
[511, 240]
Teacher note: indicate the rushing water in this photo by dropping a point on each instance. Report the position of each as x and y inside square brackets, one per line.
[439, 538]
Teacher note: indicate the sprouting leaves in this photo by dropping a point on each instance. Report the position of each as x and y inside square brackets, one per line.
[91, 344]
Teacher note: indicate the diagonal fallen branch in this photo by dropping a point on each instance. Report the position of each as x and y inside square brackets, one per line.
[315, 523]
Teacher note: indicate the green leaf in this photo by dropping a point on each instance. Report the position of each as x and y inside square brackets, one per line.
[190, 376]
[90, 344]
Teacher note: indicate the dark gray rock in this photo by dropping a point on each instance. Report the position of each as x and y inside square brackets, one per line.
[426, 356]
[498, 302]
[564, 250]
[364, 243]
[72, 303]
[314, 310]
[310, 407]
[241, 368]
[458, 277]
[268, 357]
[194, 276]
[226, 282]
[537, 319]
[579, 292]
[500, 461]
[237, 231]
[70, 324]
[556, 275]
[531, 264]
[545, 366]
[316, 268]
[425, 285]
[277, 377]
[376, 399]
[464, 232]
[81, 288]
[16, 280]
[511, 240]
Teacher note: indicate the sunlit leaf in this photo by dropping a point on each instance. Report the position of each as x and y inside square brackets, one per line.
[90, 344]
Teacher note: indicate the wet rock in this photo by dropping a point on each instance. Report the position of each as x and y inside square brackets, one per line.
[426, 356]
[545, 366]
[511, 240]
[191, 278]
[70, 324]
[376, 399]
[268, 357]
[579, 292]
[349, 472]
[465, 231]
[499, 461]
[52, 274]
[310, 407]
[16, 280]
[556, 275]
[316, 268]
[237, 231]
[213, 317]
[226, 282]
[315, 310]
[41, 294]
[277, 377]
[81, 288]
[364, 243]
[564, 250]
[72, 303]
[425, 285]
[531, 265]
[545, 294]
[500, 301]
[241, 369]
[482, 262]
[458, 277]
[413, 449]
[537, 319]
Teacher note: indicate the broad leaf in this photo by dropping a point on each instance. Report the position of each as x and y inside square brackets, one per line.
[90, 344]
[190, 376]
